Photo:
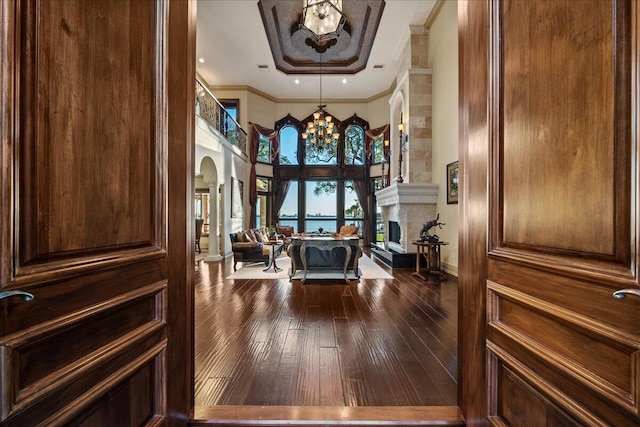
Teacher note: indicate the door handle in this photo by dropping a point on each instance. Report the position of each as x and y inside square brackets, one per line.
[26, 296]
[622, 293]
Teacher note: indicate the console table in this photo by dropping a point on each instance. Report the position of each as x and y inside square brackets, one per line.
[430, 251]
[324, 263]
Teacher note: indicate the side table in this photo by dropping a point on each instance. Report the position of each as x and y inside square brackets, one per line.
[430, 251]
[272, 262]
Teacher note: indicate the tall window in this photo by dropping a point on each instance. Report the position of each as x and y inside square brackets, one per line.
[377, 149]
[321, 153]
[264, 149]
[288, 146]
[353, 213]
[321, 206]
[379, 237]
[354, 145]
[289, 209]
[263, 185]
[231, 105]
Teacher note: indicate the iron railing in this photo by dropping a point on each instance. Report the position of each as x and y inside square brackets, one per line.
[209, 109]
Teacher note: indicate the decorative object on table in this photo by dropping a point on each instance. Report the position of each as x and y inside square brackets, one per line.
[320, 230]
[237, 193]
[425, 236]
[452, 183]
[403, 138]
[271, 232]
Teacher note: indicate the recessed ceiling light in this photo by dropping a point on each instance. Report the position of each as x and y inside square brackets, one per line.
[296, 81]
[201, 60]
[344, 81]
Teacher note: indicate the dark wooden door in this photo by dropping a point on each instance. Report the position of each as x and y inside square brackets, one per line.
[550, 207]
[87, 120]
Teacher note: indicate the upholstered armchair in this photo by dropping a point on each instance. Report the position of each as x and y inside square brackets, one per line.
[348, 230]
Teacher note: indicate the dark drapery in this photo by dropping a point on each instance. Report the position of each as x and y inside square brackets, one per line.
[362, 188]
[371, 134]
[280, 193]
[254, 144]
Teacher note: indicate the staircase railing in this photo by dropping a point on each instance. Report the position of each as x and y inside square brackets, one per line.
[209, 109]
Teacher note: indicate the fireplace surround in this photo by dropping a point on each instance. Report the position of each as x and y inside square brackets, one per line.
[409, 205]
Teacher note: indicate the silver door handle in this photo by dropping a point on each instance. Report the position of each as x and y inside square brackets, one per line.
[26, 296]
[622, 293]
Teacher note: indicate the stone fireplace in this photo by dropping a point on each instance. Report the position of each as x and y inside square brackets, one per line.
[410, 205]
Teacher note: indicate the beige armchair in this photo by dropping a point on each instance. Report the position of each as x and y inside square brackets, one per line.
[348, 230]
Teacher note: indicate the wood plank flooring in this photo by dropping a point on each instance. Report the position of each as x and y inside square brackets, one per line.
[280, 343]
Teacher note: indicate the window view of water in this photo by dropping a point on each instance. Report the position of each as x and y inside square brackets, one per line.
[313, 225]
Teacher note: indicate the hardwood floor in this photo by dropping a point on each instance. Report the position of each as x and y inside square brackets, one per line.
[280, 343]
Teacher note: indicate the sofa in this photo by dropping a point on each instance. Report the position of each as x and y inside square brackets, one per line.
[285, 233]
[251, 246]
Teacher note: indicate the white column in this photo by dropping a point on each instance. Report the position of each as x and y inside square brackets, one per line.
[213, 253]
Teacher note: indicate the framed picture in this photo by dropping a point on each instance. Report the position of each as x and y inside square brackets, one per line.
[452, 183]
[237, 193]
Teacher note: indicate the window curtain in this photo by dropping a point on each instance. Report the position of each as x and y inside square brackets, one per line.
[280, 193]
[256, 131]
[362, 191]
[362, 187]
[371, 134]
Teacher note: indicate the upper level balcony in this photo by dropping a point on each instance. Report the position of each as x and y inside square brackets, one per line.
[209, 109]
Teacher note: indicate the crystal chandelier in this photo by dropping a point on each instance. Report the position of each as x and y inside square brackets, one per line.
[322, 19]
[321, 131]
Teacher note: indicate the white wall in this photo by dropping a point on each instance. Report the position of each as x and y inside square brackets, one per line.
[228, 164]
[443, 61]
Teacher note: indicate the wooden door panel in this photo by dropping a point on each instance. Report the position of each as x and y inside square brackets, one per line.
[84, 224]
[91, 183]
[561, 229]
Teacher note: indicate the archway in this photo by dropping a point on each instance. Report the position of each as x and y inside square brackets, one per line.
[209, 174]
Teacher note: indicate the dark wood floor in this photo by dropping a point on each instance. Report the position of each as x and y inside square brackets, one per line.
[371, 343]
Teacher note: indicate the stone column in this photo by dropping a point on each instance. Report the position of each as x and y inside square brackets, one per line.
[213, 253]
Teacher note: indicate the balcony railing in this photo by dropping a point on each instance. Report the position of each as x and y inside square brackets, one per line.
[211, 111]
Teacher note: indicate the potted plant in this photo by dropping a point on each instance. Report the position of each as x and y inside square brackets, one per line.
[272, 232]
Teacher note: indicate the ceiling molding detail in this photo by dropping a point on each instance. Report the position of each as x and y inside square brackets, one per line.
[292, 53]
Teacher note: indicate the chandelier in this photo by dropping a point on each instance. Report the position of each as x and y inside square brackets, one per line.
[322, 19]
[321, 132]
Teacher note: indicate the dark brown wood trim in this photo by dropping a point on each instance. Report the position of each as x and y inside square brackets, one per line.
[473, 146]
[181, 77]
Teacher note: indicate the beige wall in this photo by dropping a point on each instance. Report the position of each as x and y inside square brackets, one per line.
[443, 61]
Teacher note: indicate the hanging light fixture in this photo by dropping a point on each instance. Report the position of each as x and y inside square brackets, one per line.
[322, 19]
[321, 132]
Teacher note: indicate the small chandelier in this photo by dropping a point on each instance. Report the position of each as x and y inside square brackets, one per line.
[321, 130]
[322, 19]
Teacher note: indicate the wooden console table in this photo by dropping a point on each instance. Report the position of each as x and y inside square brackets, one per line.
[431, 253]
[348, 268]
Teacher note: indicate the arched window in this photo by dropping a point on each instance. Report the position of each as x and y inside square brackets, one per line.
[264, 149]
[354, 145]
[321, 153]
[288, 146]
[377, 149]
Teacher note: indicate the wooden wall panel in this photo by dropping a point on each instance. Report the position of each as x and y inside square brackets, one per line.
[527, 407]
[52, 361]
[562, 213]
[602, 359]
[85, 133]
[93, 161]
[561, 132]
